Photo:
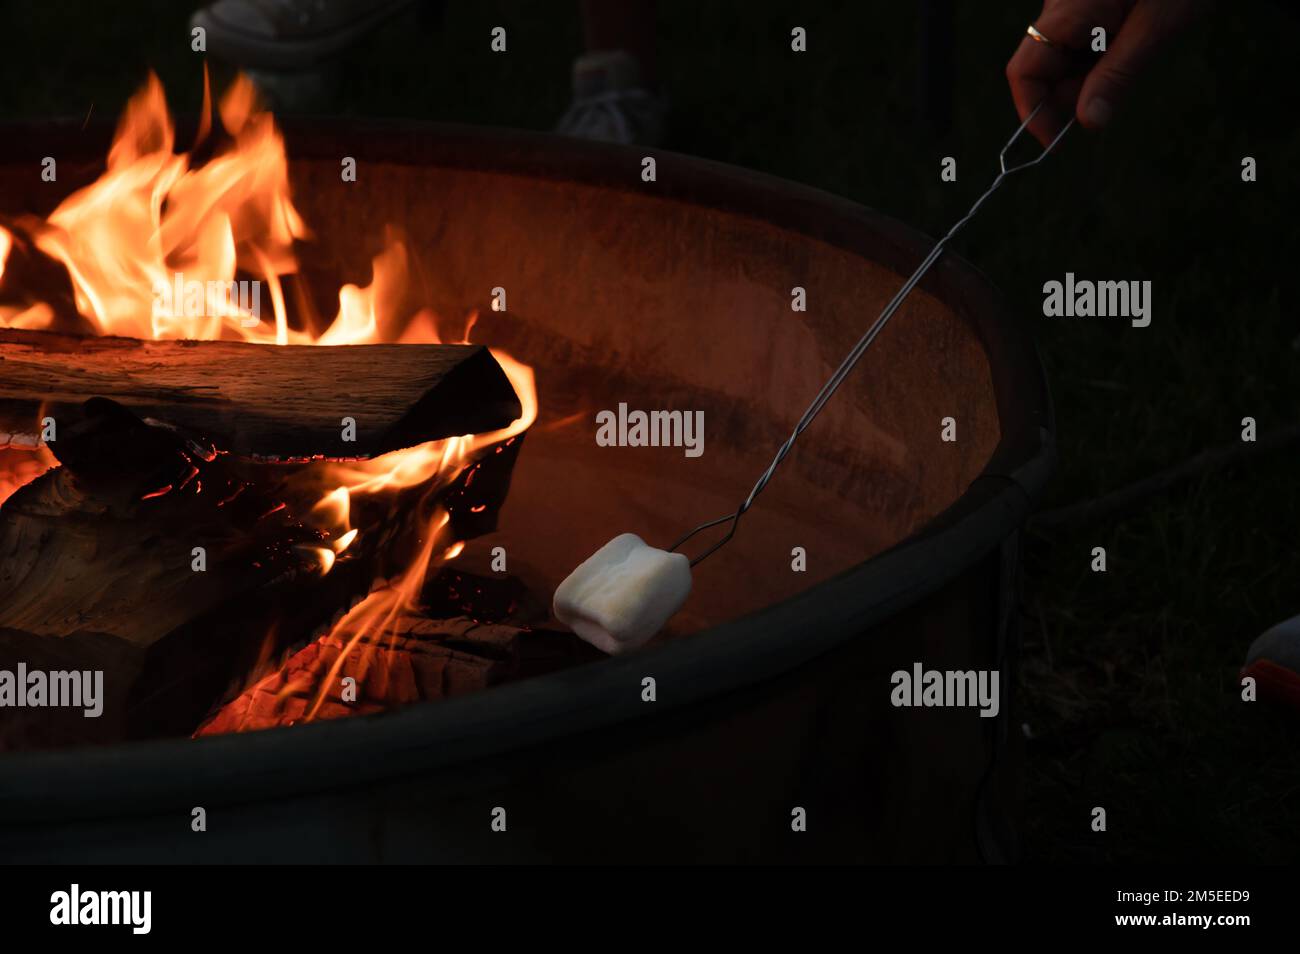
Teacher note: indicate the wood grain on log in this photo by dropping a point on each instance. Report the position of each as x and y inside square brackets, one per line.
[260, 400]
[421, 660]
[92, 580]
[97, 570]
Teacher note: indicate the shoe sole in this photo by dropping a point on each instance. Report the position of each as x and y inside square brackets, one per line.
[279, 55]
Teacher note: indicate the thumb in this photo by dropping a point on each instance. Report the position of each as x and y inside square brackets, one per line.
[1108, 84]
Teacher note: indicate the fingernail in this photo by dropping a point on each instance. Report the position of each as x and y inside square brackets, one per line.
[1097, 113]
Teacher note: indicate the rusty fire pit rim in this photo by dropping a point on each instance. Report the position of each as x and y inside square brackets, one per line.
[148, 777]
[151, 776]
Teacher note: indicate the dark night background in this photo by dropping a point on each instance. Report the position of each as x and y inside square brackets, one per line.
[1129, 677]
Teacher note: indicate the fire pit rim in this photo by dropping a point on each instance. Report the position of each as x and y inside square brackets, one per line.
[347, 753]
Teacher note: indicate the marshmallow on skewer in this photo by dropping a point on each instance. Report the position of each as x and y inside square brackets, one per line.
[623, 593]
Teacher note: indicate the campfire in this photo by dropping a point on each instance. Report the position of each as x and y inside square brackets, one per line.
[241, 516]
[355, 500]
[877, 544]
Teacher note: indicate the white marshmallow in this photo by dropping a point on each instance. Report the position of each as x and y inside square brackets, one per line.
[623, 593]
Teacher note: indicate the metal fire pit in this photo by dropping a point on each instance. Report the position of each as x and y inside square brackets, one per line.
[772, 690]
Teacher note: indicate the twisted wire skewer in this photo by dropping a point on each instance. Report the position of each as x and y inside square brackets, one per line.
[865, 341]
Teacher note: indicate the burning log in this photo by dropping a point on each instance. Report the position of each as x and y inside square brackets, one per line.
[422, 658]
[97, 580]
[218, 503]
[280, 402]
[179, 573]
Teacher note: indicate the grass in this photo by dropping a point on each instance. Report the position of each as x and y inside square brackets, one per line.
[1129, 676]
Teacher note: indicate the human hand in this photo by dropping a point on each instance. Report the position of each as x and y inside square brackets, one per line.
[1071, 78]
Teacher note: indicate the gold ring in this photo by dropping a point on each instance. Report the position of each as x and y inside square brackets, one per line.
[1037, 35]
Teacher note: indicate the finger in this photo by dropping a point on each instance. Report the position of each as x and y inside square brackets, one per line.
[1054, 70]
[1036, 73]
[1128, 53]
[1069, 23]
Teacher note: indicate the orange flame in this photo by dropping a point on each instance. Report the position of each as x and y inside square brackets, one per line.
[20, 463]
[24, 456]
[153, 248]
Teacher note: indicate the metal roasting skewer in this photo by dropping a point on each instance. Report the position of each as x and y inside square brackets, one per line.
[864, 342]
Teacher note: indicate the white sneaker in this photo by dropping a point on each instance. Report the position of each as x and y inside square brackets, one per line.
[282, 35]
[611, 103]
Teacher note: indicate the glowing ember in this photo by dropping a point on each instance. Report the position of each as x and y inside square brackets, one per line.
[153, 249]
[20, 465]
